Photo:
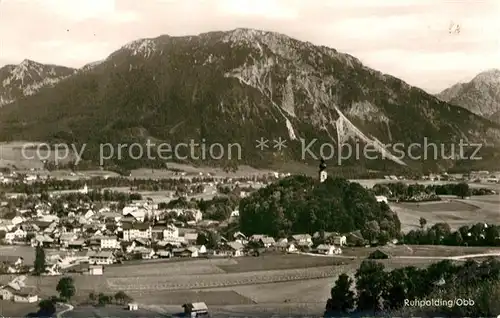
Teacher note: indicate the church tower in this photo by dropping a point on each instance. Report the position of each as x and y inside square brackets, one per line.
[322, 171]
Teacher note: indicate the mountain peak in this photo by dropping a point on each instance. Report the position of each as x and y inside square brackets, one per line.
[145, 47]
[27, 78]
[481, 95]
[491, 76]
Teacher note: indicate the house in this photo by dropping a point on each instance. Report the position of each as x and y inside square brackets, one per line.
[381, 198]
[256, 237]
[192, 251]
[238, 236]
[89, 214]
[67, 237]
[44, 240]
[190, 238]
[14, 261]
[267, 241]
[164, 254]
[157, 232]
[195, 309]
[52, 269]
[170, 232]
[327, 249]
[101, 257]
[76, 244]
[25, 298]
[201, 249]
[132, 231]
[17, 291]
[133, 306]
[146, 253]
[185, 252]
[7, 293]
[302, 239]
[95, 269]
[6, 225]
[339, 240]
[286, 247]
[109, 242]
[233, 249]
[17, 220]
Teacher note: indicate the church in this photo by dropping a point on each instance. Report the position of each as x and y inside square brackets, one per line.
[322, 171]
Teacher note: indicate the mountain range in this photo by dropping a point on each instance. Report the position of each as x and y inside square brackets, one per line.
[235, 87]
[481, 95]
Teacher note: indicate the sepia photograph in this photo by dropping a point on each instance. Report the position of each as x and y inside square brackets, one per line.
[249, 158]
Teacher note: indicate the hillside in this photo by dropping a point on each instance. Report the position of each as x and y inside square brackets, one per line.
[239, 86]
[300, 205]
[481, 95]
[27, 78]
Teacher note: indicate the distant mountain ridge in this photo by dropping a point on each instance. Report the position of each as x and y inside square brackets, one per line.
[481, 95]
[27, 78]
[239, 86]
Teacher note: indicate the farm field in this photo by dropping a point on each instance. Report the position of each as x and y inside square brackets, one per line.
[237, 285]
[275, 262]
[421, 250]
[369, 183]
[12, 309]
[243, 171]
[455, 212]
[154, 311]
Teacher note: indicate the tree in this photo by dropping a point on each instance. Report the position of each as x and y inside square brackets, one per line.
[103, 299]
[371, 284]
[47, 308]
[92, 297]
[121, 297]
[423, 222]
[371, 230]
[395, 294]
[39, 260]
[342, 297]
[462, 190]
[66, 288]
[210, 239]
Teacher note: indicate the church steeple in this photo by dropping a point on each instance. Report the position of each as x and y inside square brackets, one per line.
[322, 170]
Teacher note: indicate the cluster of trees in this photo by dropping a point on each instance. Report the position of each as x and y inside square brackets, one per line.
[299, 204]
[479, 234]
[419, 192]
[101, 299]
[379, 291]
[66, 289]
[218, 208]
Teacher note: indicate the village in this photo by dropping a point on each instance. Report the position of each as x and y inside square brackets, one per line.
[89, 239]
[97, 236]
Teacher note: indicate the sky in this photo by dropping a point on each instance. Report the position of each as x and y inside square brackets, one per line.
[409, 39]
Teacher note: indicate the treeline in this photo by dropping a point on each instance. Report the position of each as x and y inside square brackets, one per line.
[300, 204]
[98, 196]
[419, 192]
[170, 184]
[480, 234]
[378, 291]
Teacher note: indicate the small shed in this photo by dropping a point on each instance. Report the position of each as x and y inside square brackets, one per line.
[95, 270]
[133, 306]
[195, 309]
